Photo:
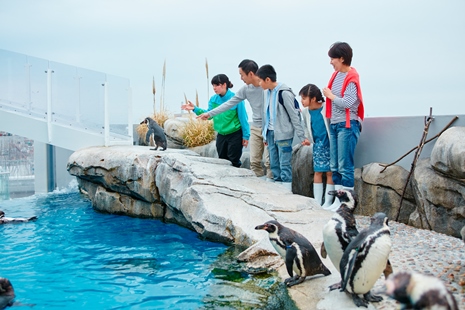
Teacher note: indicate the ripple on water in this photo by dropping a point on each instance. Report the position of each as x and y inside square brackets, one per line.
[73, 257]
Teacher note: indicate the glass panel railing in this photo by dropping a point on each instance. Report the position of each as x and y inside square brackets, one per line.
[119, 98]
[14, 92]
[76, 97]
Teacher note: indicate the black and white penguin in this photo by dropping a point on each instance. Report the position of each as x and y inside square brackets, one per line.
[298, 253]
[7, 293]
[5, 220]
[155, 131]
[364, 260]
[340, 229]
[418, 291]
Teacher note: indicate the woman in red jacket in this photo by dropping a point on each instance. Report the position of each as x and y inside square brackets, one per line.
[344, 108]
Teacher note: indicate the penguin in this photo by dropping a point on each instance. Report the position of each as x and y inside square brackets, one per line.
[7, 293]
[341, 229]
[5, 220]
[364, 260]
[158, 133]
[297, 252]
[419, 291]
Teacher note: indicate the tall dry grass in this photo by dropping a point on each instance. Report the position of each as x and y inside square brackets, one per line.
[197, 132]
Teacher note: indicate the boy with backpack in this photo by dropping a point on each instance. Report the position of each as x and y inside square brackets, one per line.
[281, 120]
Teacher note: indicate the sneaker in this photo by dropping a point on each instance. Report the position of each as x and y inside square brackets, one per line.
[269, 180]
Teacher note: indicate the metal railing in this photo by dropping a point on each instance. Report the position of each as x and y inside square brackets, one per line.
[65, 97]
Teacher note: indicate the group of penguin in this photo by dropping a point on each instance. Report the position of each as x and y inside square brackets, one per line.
[360, 257]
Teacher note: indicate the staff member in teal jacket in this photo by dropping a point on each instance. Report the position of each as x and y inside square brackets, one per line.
[232, 126]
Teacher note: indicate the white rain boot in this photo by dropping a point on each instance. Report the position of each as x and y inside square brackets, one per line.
[328, 197]
[318, 192]
[336, 202]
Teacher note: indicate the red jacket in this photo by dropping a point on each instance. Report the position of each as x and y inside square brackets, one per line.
[352, 76]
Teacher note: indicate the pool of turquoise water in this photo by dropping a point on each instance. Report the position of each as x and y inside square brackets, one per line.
[73, 257]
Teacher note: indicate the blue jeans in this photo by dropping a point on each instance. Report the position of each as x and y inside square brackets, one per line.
[280, 157]
[342, 147]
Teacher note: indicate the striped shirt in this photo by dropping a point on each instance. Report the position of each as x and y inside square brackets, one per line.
[343, 101]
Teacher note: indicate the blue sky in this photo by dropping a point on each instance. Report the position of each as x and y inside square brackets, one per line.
[408, 53]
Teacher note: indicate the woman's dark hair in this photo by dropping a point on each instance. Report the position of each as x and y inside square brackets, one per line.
[311, 91]
[267, 71]
[341, 49]
[248, 65]
[222, 79]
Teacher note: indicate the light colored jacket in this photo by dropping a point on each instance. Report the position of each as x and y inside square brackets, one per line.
[287, 119]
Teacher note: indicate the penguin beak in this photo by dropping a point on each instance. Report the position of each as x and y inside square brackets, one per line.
[261, 227]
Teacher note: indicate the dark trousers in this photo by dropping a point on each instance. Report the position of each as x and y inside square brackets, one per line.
[230, 147]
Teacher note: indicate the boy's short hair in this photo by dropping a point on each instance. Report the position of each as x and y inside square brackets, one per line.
[267, 71]
[341, 49]
[248, 65]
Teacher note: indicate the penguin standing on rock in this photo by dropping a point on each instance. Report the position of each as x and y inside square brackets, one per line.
[298, 253]
[156, 132]
[418, 291]
[340, 229]
[364, 260]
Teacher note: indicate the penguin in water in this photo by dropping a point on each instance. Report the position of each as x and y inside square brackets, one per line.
[340, 230]
[7, 293]
[364, 260]
[4, 220]
[298, 253]
[158, 133]
[418, 291]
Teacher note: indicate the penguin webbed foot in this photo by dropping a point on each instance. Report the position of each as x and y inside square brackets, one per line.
[373, 298]
[154, 149]
[335, 286]
[294, 280]
[359, 302]
[291, 279]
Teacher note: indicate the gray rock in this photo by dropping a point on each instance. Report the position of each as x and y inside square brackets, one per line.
[448, 154]
[440, 200]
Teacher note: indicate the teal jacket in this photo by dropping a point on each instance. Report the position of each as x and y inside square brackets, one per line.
[230, 121]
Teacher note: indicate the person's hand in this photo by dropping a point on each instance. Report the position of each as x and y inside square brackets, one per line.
[328, 93]
[306, 142]
[189, 106]
[204, 116]
[265, 143]
[245, 143]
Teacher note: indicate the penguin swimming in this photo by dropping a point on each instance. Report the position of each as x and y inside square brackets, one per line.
[155, 131]
[418, 291]
[298, 253]
[364, 260]
[7, 293]
[4, 220]
[340, 229]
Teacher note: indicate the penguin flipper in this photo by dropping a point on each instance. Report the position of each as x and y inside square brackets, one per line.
[347, 266]
[291, 253]
[147, 136]
[32, 218]
[323, 252]
[388, 270]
